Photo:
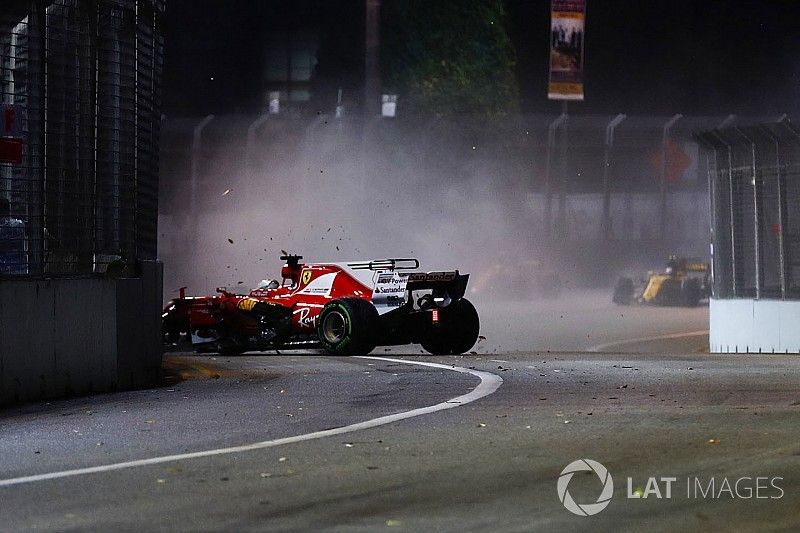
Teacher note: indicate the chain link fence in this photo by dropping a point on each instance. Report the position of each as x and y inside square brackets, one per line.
[81, 78]
[754, 177]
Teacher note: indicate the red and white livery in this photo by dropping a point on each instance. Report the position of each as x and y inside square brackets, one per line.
[345, 308]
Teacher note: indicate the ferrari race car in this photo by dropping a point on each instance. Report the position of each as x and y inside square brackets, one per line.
[683, 283]
[344, 308]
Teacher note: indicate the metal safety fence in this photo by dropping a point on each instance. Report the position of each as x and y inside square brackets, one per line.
[80, 88]
[754, 180]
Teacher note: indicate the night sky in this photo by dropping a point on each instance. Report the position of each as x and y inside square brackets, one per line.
[642, 57]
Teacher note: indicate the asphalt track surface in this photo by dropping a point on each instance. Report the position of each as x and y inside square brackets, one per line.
[442, 448]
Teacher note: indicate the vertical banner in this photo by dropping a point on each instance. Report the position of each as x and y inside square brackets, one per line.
[567, 24]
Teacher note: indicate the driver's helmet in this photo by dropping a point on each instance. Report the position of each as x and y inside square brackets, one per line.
[268, 284]
[669, 271]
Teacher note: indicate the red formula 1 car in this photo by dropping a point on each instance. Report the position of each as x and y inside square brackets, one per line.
[344, 308]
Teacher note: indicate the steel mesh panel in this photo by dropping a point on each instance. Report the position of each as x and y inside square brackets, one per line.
[755, 182]
[721, 232]
[791, 231]
[769, 216]
[85, 76]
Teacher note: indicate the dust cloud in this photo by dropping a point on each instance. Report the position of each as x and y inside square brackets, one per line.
[457, 194]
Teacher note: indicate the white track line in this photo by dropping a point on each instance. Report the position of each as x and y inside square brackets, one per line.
[489, 383]
[601, 347]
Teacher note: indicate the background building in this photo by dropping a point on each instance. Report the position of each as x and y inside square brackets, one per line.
[81, 291]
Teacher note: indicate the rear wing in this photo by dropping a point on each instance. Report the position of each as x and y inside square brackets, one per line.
[454, 283]
[697, 267]
[386, 264]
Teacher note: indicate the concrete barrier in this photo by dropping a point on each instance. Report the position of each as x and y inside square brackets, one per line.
[754, 326]
[64, 337]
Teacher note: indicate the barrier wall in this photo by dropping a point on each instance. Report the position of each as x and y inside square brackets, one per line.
[754, 326]
[64, 337]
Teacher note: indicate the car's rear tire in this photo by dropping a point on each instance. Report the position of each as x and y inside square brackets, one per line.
[623, 292]
[690, 292]
[347, 327]
[457, 330]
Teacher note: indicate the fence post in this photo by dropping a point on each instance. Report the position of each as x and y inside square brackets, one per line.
[734, 275]
[663, 185]
[251, 140]
[366, 139]
[605, 227]
[756, 213]
[712, 208]
[197, 135]
[308, 150]
[548, 189]
[781, 211]
[712, 199]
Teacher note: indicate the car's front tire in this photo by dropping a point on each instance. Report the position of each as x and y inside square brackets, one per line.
[347, 327]
[457, 331]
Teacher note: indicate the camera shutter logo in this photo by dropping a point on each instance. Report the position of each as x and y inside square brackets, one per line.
[585, 509]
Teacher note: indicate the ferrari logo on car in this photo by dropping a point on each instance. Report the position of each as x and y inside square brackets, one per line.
[306, 277]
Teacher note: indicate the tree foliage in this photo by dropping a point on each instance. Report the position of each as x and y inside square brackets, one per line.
[448, 56]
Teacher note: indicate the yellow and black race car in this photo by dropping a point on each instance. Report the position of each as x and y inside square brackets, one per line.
[683, 283]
